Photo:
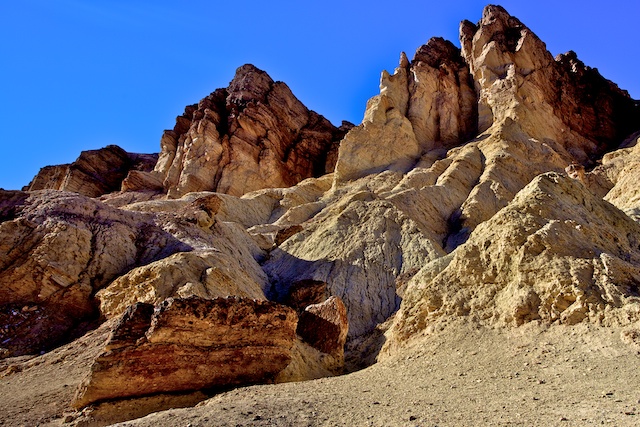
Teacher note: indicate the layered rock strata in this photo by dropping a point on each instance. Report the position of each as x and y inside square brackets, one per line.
[191, 344]
[57, 249]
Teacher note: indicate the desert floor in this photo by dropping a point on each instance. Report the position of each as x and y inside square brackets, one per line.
[461, 375]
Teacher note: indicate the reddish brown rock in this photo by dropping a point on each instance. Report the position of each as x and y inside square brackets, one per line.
[254, 134]
[191, 344]
[94, 173]
[304, 293]
[325, 327]
[285, 233]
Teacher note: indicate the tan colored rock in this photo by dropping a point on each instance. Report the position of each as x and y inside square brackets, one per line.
[206, 274]
[358, 245]
[325, 326]
[49, 177]
[561, 102]
[142, 181]
[556, 253]
[442, 105]
[617, 178]
[57, 249]
[308, 363]
[191, 344]
[95, 172]
[426, 104]
[254, 134]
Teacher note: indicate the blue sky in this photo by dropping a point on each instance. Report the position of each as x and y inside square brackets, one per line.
[79, 75]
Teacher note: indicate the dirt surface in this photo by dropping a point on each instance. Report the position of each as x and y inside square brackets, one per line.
[38, 390]
[461, 375]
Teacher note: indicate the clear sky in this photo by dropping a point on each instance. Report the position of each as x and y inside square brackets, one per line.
[81, 74]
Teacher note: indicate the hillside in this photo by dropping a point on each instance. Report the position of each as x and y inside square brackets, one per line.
[468, 254]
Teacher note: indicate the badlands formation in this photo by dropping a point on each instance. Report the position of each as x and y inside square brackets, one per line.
[468, 254]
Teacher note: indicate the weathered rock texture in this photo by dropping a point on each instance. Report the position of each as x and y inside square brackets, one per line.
[504, 73]
[451, 199]
[96, 172]
[556, 253]
[56, 249]
[324, 326]
[191, 344]
[254, 134]
[616, 179]
[426, 104]
[558, 100]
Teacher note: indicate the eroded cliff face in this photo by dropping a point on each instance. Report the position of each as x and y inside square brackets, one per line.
[554, 100]
[254, 134]
[427, 103]
[97, 172]
[469, 190]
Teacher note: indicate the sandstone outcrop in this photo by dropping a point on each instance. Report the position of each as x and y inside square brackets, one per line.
[56, 249]
[426, 104]
[558, 101]
[59, 248]
[254, 134]
[191, 344]
[556, 253]
[97, 172]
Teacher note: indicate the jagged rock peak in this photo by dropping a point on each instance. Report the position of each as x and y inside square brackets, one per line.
[251, 135]
[438, 51]
[557, 100]
[250, 84]
[426, 104]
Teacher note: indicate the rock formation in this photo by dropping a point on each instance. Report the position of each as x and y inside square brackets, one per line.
[556, 253]
[96, 172]
[58, 249]
[324, 326]
[559, 101]
[191, 344]
[492, 184]
[254, 134]
[426, 104]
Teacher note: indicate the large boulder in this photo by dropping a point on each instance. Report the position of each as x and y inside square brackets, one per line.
[191, 344]
[325, 326]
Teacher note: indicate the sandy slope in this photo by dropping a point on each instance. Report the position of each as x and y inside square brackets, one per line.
[463, 376]
[459, 376]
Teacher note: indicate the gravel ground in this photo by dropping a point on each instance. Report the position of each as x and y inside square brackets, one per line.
[461, 375]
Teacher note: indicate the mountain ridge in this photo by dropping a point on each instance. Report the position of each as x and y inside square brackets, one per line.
[491, 186]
